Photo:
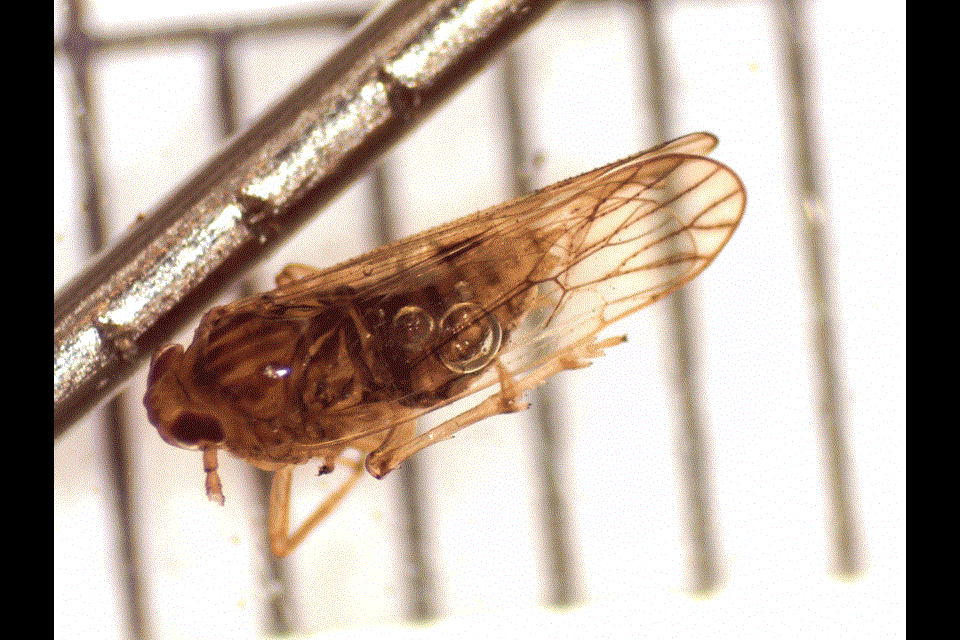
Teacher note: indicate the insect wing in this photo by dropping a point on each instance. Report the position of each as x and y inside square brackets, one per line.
[643, 228]
[394, 265]
[693, 144]
[579, 255]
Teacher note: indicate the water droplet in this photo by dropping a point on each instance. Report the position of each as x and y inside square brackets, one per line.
[412, 327]
[470, 338]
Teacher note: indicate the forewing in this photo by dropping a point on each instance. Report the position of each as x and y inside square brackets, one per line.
[637, 231]
[612, 240]
[693, 144]
[570, 203]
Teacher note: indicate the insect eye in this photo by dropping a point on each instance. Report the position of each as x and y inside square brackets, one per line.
[412, 327]
[190, 431]
[470, 338]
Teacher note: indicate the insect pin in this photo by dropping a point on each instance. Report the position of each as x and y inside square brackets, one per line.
[349, 357]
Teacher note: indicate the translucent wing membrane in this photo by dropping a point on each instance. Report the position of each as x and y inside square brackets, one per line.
[612, 241]
[643, 231]
[395, 265]
[350, 356]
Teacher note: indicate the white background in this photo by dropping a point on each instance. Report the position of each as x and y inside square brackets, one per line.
[584, 77]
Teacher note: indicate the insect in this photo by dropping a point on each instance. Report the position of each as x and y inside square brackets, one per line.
[348, 358]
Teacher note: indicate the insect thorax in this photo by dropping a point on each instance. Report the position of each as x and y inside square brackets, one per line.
[310, 374]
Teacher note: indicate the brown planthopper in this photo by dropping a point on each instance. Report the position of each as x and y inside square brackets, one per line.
[350, 357]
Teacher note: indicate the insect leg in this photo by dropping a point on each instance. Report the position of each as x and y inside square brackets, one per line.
[384, 460]
[387, 458]
[282, 543]
[396, 437]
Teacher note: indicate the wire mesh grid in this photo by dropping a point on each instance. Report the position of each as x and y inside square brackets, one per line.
[484, 555]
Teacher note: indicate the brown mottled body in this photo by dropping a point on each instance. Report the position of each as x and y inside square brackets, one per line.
[349, 357]
[263, 377]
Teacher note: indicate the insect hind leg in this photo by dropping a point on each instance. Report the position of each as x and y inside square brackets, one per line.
[394, 451]
[281, 541]
[507, 400]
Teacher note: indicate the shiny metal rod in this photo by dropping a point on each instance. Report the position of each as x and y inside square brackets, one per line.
[396, 68]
